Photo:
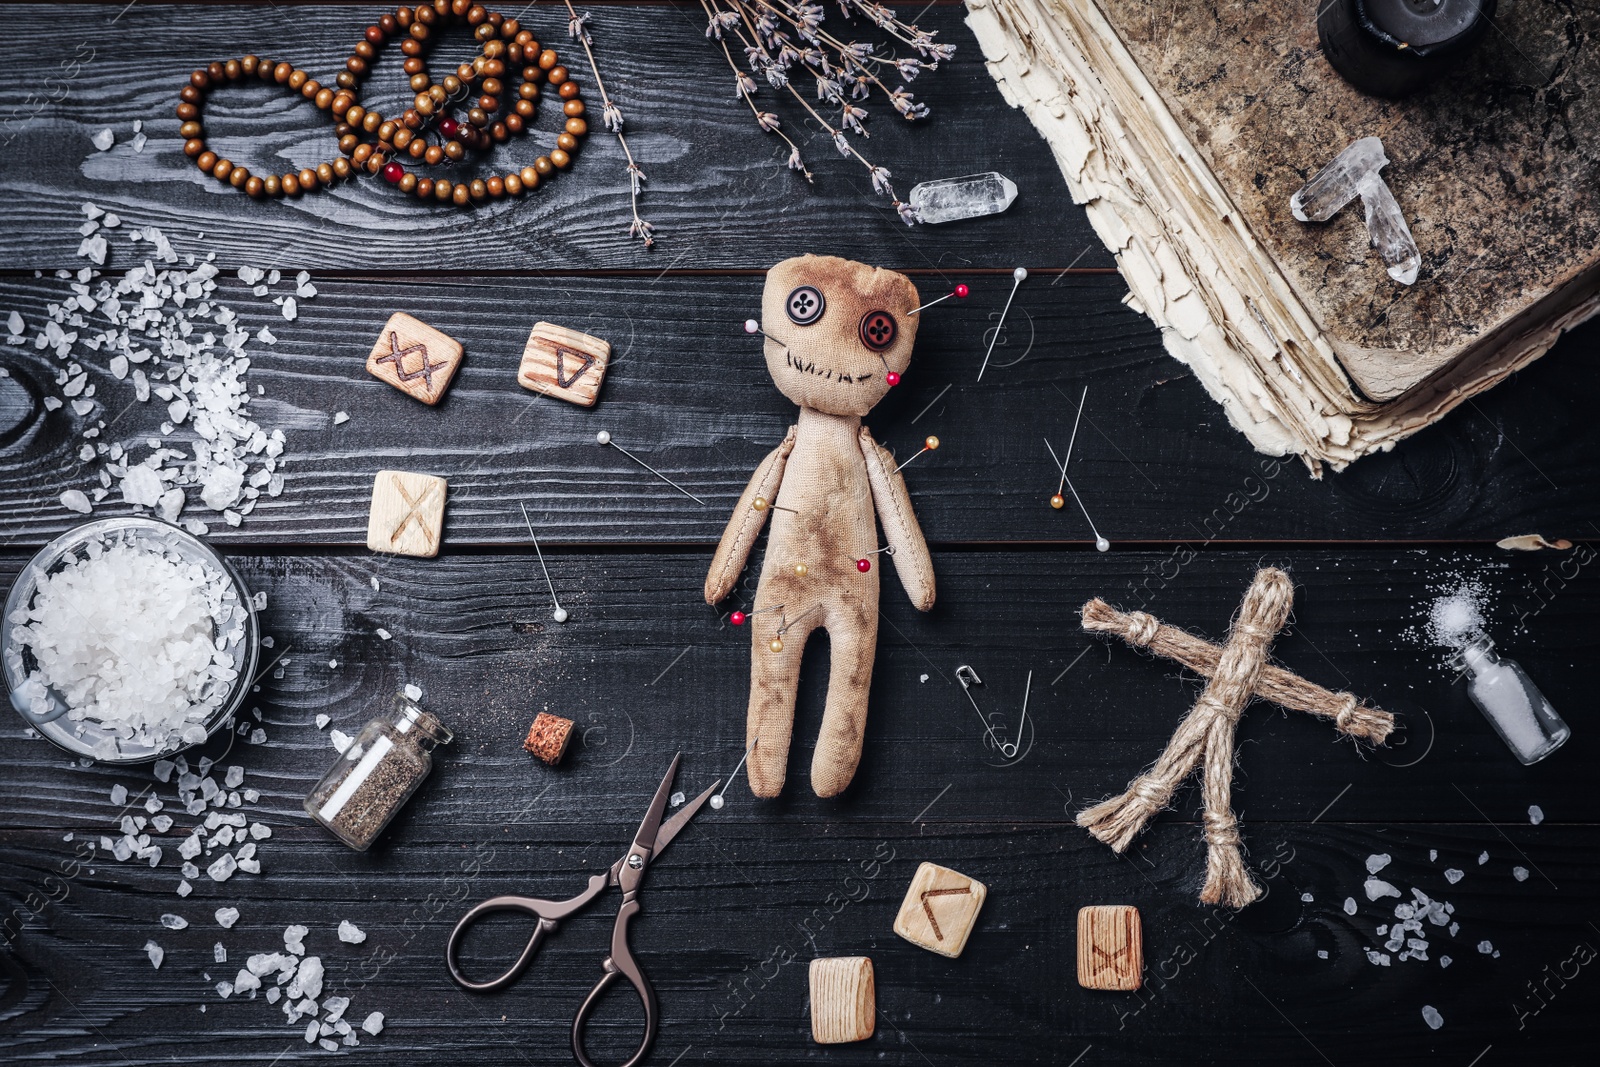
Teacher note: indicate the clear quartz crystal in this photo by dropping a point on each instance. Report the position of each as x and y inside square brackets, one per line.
[967, 197]
[1511, 702]
[1355, 172]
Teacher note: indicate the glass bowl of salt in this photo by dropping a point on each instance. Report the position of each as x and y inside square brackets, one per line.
[126, 640]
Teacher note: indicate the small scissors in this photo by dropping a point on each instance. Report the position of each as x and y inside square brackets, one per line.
[627, 873]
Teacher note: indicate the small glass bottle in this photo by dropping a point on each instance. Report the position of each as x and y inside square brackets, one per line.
[1511, 702]
[377, 774]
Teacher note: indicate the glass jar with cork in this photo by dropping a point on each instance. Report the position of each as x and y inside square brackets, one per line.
[377, 774]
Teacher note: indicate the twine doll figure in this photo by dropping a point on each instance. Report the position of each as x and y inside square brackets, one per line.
[838, 335]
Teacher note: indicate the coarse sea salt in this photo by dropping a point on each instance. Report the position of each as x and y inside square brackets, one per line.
[183, 346]
[133, 639]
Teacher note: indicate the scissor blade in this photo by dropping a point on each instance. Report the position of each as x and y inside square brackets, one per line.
[646, 837]
[672, 826]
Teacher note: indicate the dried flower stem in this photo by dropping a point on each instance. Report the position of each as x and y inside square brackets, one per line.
[781, 38]
[612, 117]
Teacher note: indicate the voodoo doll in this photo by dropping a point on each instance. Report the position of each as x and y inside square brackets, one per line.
[838, 335]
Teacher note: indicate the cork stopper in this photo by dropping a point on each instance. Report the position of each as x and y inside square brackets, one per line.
[548, 737]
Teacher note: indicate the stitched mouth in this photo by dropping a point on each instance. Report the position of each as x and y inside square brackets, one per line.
[809, 366]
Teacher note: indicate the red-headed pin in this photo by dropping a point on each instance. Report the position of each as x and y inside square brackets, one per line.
[959, 291]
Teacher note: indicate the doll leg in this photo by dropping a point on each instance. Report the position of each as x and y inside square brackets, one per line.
[774, 679]
[853, 637]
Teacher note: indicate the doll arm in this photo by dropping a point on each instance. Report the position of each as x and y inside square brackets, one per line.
[744, 526]
[889, 495]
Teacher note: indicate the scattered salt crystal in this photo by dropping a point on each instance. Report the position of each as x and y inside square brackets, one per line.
[312, 1030]
[184, 888]
[350, 933]
[223, 868]
[374, 581]
[1535, 814]
[1431, 1015]
[413, 692]
[162, 769]
[174, 922]
[119, 794]
[1322, 953]
[340, 739]
[329, 1044]
[290, 309]
[1349, 905]
[139, 141]
[155, 952]
[104, 139]
[75, 500]
[334, 1008]
[341, 417]
[234, 778]
[373, 1023]
[1306, 898]
[244, 981]
[1483, 857]
[1520, 873]
[292, 938]
[1378, 862]
[260, 831]
[384, 635]
[333, 664]
[258, 736]
[1433, 855]
[322, 721]
[1485, 947]
[1377, 887]
[1452, 875]
[676, 798]
[220, 953]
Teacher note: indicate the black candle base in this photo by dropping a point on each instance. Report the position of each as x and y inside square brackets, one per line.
[1395, 47]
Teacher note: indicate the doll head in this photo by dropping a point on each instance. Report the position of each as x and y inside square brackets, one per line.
[834, 328]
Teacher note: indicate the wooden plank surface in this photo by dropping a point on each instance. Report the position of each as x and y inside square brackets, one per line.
[718, 188]
[1154, 461]
[750, 893]
[646, 671]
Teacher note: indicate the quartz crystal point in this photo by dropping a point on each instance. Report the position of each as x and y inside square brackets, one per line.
[968, 197]
[1353, 173]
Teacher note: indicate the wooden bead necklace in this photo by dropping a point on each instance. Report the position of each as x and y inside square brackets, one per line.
[370, 142]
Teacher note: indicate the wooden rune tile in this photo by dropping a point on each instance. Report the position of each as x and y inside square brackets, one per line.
[1110, 947]
[844, 1000]
[415, 358]
[407, 514]
[564, 363]
[940, 909]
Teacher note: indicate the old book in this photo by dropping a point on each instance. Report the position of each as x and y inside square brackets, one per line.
[1185, 128]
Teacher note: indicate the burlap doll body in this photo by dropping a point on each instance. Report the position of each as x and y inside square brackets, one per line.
[834, 328]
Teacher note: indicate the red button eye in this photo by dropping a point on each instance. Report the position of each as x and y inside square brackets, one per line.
[878, 330]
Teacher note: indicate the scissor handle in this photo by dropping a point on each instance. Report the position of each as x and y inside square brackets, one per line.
[548, 912]
[619, 964]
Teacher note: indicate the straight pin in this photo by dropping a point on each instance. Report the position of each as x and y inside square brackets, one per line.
[761, 503]
[928, 445]
[604, 438]
[960, 291]
[1017, 277]
[560, 614]
[1100, 543]
[716, 801]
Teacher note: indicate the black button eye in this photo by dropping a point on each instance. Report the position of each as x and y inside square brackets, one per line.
[878, 330]
[805, 305]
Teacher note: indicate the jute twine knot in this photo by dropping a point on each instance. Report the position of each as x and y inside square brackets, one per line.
[1235, 672]
[1142, 628]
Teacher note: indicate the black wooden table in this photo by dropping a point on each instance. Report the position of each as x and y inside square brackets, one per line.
[752, 892]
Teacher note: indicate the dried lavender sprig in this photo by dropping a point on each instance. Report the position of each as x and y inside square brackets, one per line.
[736, 23]
[719, 20]
[611, 116]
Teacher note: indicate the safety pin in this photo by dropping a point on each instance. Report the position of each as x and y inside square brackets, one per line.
[962, 673]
